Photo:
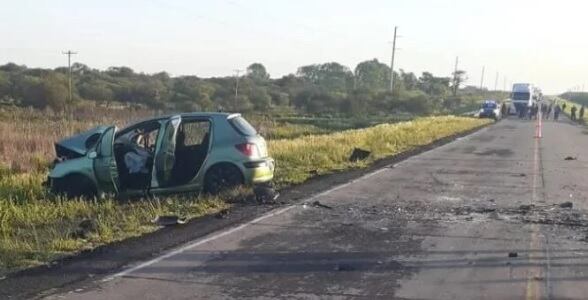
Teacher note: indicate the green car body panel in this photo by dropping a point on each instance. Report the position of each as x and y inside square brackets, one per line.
[91, 155]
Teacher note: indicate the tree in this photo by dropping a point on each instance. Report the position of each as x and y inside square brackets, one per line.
[257, 72]
[55, 91]
[332, 77]
[371, 74]
[96, 90]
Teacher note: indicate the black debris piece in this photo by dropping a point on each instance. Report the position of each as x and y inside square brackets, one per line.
[265, 194]
[513, 254]
[359, 154]
[88, 225]
[344, 268]
[85, 228]
[570, 158]
[313, 172]
[566, 204]
[223, 214]
[169, 220]
[318, 204]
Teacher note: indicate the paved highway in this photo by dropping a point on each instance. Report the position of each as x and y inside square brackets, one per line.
[478, 218]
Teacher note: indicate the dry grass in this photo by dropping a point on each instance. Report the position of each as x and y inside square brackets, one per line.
[28, 135]
[36, 228]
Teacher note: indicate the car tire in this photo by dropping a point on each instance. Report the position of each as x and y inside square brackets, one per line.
[222, 177]
[74, 186]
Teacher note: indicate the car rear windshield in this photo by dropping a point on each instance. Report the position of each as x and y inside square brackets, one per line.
[491, 105]
[242, 126]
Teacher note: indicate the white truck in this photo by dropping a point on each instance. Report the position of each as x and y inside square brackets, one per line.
[523, 96]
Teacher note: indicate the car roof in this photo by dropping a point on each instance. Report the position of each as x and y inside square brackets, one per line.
[221, 115]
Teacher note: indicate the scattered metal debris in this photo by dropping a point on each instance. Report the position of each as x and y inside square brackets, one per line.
[513, 254]
[571, 158]
[85, 228]
[566, 204]
[169, 220]
[359, 154]
[344, 268]
[265, 194]
[318, 204]
[223, 214]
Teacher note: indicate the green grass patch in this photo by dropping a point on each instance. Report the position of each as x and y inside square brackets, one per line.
[299, 159]
[36, 228]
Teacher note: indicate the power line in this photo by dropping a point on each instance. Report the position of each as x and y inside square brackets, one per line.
[237, 72]
[69, 53]
[482, 80]
[392, 62]
[455, 83]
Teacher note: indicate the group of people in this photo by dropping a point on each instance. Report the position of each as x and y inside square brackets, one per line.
[573, 111]
[546, 111]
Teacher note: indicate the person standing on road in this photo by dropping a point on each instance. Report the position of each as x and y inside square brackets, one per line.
[543, 110]
[563, 107]
[549, 109]
[581, 114]
[573, 112]
[503, 110]
[556, 111]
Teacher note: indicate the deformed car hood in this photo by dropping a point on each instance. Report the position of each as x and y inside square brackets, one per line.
[77, 145]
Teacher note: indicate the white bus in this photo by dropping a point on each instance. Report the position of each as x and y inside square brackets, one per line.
[523, 96]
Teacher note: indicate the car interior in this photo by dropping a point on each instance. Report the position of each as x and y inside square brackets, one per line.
[191, 149]
[192, 143]
[139, 140]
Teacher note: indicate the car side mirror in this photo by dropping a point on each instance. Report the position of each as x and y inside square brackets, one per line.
[92, 154]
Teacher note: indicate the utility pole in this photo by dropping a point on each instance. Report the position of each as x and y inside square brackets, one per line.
[455, 83]
[392, 62]
[69, 53]
[504, 83]
[482, 80]
[496, 82]
[237, 72]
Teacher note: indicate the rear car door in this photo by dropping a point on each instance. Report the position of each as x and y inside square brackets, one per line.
[165, 153]
[105, 167]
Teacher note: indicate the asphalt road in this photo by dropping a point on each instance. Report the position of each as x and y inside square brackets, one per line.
[478, 218]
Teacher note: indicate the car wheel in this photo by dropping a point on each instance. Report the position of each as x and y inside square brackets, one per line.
[74, 186]
[222, 177]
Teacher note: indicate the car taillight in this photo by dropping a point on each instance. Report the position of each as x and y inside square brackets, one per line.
[248, 149]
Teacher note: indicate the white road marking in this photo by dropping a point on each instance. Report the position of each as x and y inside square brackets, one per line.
[234, 229]
[261, 218]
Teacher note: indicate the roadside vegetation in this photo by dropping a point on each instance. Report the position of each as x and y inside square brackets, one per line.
[323, 89]
[313, 119]
[36, 228]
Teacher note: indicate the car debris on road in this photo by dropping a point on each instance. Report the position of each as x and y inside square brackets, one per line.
[169, 220]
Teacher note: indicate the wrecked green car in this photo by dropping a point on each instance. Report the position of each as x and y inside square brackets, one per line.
[189, 152]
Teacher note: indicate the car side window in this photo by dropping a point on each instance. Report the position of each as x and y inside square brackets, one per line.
[194, 133]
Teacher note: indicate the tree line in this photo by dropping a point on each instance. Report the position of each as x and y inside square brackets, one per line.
[328, 88]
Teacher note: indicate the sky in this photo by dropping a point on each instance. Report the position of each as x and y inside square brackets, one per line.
[543, 42]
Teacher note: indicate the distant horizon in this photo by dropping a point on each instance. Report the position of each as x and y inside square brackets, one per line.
[211, 39]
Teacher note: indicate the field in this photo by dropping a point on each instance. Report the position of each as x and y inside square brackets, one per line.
[36, 228]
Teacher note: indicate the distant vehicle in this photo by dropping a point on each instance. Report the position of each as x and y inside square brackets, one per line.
[490, 109]
[523, 96]
[164, 155]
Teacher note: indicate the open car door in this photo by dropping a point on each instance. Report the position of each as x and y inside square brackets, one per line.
[165, 154]
[105, 163]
